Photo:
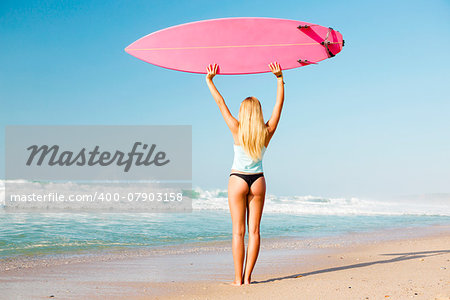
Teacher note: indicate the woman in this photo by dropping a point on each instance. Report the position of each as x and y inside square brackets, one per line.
[247, 185]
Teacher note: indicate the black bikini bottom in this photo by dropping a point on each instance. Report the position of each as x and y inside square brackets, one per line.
[249, 178]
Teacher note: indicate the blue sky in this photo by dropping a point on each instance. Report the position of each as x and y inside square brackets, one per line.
[372, 121]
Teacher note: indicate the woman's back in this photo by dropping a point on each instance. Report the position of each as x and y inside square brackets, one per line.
[244, 163]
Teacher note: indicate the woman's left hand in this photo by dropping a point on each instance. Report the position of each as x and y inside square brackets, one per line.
[212, 71]
[276, 69]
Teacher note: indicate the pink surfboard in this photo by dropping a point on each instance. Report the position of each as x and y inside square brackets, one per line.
[238, 45]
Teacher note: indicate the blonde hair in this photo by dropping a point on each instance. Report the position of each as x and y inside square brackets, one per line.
[253, 131]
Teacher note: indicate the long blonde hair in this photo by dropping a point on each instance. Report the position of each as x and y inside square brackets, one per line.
[253, 131]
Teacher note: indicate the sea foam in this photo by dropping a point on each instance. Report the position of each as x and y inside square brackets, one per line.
[217, 199]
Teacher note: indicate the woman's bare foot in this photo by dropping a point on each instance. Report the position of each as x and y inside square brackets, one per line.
[236, 283]
[247, 281]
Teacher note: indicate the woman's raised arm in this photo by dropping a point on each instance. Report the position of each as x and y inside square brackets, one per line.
[276, 113]
[232, 123]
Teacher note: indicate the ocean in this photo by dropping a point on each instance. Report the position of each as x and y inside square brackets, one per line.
[27, 234]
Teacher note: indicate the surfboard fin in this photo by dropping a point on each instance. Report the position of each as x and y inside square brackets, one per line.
[326, 42]
[307, 62]
[305, 26]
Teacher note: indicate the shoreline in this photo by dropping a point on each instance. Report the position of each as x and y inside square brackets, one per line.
[201, 271]
[286, 242]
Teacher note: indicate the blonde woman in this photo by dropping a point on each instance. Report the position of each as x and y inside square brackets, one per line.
[247, 185]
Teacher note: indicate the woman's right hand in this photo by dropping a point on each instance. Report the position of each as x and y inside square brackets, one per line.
[212, 71]
[276, 69]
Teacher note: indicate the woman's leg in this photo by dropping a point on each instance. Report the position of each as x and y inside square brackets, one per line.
[255, 208]
[237, 200]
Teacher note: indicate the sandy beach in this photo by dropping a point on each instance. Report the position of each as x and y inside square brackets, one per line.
[396, 264]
